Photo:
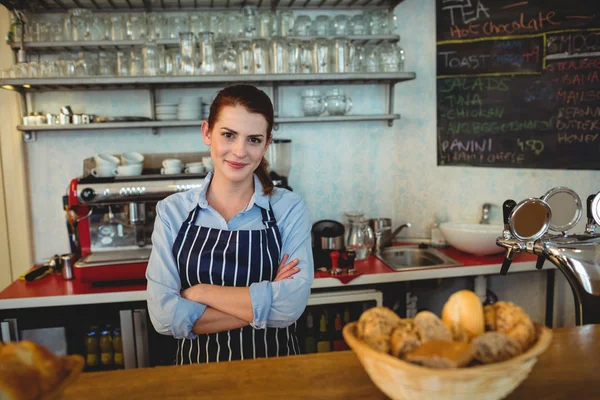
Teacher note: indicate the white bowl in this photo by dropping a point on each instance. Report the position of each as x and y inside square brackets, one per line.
[477, 239]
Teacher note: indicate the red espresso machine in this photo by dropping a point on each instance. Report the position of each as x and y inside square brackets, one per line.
[114, 222]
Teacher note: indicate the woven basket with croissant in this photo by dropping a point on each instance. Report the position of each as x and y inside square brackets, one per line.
[469, 353]
[30, 371]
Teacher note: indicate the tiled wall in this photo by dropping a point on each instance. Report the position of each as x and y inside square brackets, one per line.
[385, 172]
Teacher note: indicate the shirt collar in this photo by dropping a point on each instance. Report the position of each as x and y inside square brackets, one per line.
[258, 198]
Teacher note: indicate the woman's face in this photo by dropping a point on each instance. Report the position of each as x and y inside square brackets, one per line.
[238, 142]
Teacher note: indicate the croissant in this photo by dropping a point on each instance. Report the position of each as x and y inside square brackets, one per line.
[30, 371]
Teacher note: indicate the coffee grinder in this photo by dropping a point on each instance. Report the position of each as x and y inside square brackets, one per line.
[279, 156]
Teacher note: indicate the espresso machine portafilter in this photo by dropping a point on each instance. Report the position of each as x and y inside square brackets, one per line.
[526, 227]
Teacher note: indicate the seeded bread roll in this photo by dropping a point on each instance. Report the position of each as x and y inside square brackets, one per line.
[510, 319]
[380, 343]
[494, 347]
[463, 315]
[430, 327]
[377, 321]
[405, 338]
[489, 314]
[442, 354]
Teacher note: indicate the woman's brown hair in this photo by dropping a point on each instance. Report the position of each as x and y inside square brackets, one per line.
[255, 101]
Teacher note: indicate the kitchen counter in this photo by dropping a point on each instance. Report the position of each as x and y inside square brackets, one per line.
[568, 369]
[54, 291]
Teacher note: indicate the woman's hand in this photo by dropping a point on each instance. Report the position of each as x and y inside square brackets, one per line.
[284, 270]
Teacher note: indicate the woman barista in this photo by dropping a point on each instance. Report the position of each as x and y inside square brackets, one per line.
[219, 276]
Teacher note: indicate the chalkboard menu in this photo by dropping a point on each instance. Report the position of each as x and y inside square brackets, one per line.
[518, 83]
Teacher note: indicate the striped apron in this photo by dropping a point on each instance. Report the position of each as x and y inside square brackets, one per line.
[231, 258]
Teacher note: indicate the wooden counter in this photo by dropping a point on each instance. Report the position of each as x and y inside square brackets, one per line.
[568, 370]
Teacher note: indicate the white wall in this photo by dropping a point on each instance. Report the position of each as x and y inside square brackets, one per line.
[336, 167]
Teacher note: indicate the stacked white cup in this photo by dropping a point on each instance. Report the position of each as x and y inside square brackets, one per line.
[105, 165]
[208, 163]
[132, 164]
[171, 166]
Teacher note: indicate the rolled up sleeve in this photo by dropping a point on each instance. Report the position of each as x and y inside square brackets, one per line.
[169, 312]
[280, 304]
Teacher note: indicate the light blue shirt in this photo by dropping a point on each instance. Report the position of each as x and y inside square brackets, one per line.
[275, 304]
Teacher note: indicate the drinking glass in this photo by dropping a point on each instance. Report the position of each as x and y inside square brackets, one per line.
[227, 59]
[260, 54]
[250, 21]
[279, 49]
[322, 56]
[150, 54]
[266, 24]
[199, 23]
[207, 54]
[177, 24]
[341, 54]
[293, 61]
[245, 57]
[79, 23]
[306, 57]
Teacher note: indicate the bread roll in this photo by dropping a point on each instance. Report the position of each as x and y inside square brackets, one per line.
[489, 315]
[30, 371]
[380, 343]
[510, 319]
[494, 347]
[463, 315]
[442, 354]
[405, 338]
[377, 321]
[430, 327]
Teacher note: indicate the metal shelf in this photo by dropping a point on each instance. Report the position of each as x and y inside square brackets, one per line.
[103, 45]
[186, 5]
[197, 123]
[105, 82]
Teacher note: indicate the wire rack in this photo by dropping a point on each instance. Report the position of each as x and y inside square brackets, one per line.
[185, 5]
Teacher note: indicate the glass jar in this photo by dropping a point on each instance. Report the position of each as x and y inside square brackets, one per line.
[137, 26]
[233, 24]
[337, 102]
[118, 27]
[198, 23]
[266, 24]
[250, 21]
[176, 25]
[340, 25]
[284, 23]
[293, 56]
[359, 25]
[228, 63]
[302, 25]
[80, 19]
[157, 28]
[359, 235]
[320, 26]
[312, 103]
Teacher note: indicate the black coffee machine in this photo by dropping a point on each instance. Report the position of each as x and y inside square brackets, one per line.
[327, 236]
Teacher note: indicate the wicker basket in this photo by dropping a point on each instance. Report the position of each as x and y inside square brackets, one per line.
[401, 380]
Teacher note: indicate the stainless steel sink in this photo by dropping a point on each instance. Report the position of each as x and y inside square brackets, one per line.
[399, 258]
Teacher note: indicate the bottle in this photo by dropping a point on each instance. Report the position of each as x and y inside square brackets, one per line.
[310, 345]
[338, 339]
[118, 348]
[323, 346]
[106, 348]
[346, 316]
[92, 348]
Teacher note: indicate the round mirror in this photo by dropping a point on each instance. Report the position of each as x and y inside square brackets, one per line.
[566, 208]
[530, 219]
[596, 209]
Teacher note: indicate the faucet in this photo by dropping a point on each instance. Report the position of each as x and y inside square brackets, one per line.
[485, 213]
[576, 256]
[385, 240]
